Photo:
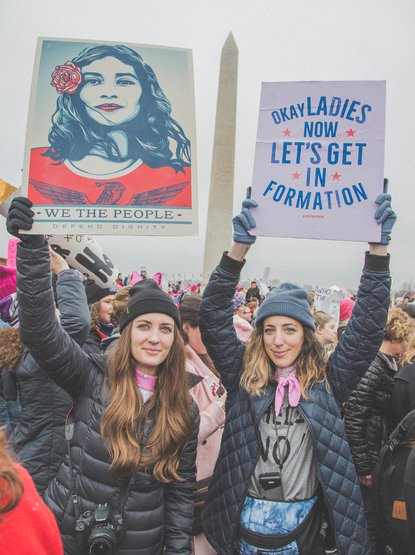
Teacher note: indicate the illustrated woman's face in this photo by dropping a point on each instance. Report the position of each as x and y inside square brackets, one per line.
[152, 336]
[283, 340]
[111, 91]
[105, 309]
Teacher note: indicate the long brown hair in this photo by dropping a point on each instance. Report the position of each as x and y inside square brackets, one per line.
[94, 309]
[11, 485]
[258, 367]
[124, 417]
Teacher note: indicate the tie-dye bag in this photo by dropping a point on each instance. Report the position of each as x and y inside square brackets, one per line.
[279, 527]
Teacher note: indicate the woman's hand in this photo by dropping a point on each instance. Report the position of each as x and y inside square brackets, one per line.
[20, 216]
[242, 224]
[57, 263]
[385, 217]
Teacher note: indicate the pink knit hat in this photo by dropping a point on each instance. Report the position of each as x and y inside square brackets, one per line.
[346, 309]
[7, 281]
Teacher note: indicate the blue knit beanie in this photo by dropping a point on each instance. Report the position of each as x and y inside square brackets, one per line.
[288, 300]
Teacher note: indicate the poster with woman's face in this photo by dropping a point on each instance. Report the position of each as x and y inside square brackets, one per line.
[110, 147]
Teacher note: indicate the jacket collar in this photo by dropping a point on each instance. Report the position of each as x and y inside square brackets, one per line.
[260, 403]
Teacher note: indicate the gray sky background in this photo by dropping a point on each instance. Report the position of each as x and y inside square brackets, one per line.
[278, 40]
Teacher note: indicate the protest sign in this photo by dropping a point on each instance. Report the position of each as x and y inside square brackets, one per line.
[328, 300]
[319, 159]
[7, 193]
[12, 252]
[84, 254]
[116, 158]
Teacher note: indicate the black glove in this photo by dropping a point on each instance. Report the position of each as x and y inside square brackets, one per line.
[20, 216]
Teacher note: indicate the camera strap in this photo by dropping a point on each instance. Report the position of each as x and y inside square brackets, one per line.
[69, 431]
[280, 452]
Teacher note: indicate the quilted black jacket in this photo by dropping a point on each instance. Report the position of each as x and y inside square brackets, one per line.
[368, 417]
[39, 438]
[240, 448]
[158, 517]
[403, 394]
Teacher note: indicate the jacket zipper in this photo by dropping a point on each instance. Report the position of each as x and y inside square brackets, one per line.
[320, 479]
[247, 482]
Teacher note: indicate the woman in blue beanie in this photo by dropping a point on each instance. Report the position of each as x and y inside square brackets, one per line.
[284, 459]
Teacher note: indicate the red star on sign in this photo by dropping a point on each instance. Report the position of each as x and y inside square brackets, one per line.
[296, 175]
[351, 133]
[336, 176]
[287, 133]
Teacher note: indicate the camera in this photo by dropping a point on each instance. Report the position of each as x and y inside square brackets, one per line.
[270, 480]
[98, 531]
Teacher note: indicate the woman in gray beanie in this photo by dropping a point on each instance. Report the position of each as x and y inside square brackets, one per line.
[284, 459]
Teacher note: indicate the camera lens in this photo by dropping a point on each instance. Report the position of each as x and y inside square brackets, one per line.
[102, 541]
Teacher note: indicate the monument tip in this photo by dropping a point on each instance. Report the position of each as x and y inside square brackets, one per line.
[230, 41]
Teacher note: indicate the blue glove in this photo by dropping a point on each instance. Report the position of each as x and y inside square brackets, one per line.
[384, 215]
[243, 222]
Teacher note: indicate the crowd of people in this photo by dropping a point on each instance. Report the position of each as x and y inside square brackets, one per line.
[142, 420]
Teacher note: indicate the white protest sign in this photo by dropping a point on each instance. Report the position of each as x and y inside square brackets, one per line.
[84, 254]
[102, 163]
[319, 159]
[328, 300]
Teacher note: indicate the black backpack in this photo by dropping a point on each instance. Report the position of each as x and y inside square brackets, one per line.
[394, 487]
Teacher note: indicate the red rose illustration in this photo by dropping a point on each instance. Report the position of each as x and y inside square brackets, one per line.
[66, 78]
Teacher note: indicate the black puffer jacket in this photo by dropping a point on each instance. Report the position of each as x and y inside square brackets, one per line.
[403, 394]
[368, 415]
[39, 438]
[158, 517]
[240, 448]
[92, 345]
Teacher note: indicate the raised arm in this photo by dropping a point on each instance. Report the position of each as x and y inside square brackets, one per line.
[361, 340]
[75, 317]
[216, 311]
[49, 344]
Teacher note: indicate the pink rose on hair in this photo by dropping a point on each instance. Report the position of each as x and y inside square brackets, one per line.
[66, 78]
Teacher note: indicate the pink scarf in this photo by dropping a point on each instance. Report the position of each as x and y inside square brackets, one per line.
[144, 381]
[283, 378]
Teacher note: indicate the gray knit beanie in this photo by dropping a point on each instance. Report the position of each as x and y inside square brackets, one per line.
[288, 300]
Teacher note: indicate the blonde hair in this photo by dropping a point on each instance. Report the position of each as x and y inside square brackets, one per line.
[258, 368]
[125, 416]
[409, 354]
[399, 325]
[321, 318]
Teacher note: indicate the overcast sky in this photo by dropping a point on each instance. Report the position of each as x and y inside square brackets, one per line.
[289, 40]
